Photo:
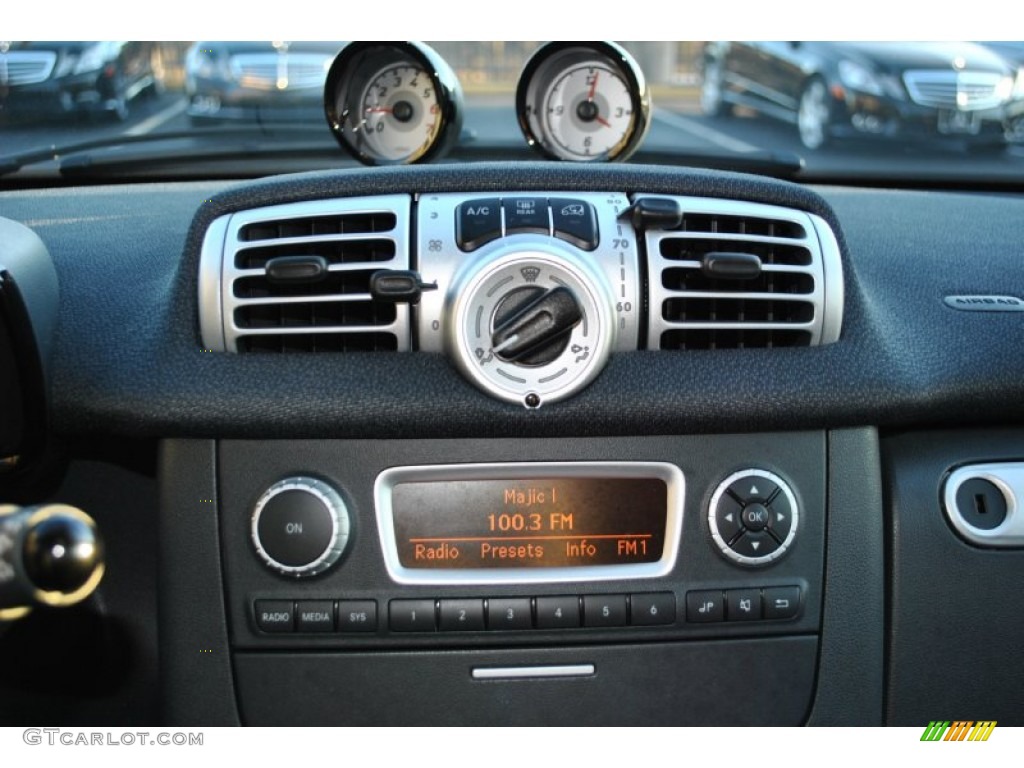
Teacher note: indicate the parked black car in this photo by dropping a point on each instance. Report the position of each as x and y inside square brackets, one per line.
[953, 90]
[265, 81]
[66, 77]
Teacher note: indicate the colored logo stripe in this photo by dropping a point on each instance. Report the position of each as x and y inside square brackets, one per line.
[958, 730]
[982, 730]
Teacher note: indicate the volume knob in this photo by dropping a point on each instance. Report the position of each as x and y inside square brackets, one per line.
[300, 526]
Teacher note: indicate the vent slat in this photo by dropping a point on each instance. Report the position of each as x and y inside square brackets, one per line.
[770, 252]
[736, 310]
[689, 280]
[319, 342]
[313, 226]
[335, 251]
[743, 338]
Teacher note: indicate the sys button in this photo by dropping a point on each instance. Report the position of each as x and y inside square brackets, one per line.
[477, 222]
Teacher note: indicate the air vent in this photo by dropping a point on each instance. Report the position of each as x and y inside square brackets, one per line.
[243, 310]
[738, 275]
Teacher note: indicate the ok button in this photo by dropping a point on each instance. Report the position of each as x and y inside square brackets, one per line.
[755, 517]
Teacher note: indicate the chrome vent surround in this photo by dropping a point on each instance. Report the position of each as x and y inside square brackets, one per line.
[241, 310]
[946, 89]
[26, 67]
[795, 301]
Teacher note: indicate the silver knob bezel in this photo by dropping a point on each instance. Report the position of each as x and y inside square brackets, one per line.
[720, 541]
[484, 281]
[340, 525]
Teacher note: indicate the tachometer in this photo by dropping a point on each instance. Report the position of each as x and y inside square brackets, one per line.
[583, 101]
[393, 103]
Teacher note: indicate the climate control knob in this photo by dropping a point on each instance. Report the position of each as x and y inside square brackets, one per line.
[300, 526]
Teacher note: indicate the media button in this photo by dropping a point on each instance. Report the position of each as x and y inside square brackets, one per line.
[315, 615]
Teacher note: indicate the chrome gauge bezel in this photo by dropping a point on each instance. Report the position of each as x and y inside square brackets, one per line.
[355, 67]
[551, 61]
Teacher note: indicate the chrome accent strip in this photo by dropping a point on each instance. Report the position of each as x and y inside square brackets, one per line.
[389, 478]
[211, 255]
[825, 269]
[520, 673]
[834, 295]
[1008, 477]
[726, 550]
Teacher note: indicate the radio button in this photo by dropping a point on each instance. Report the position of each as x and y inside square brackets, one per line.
[704, 606]
[743, 604]
[604, 610]
[275, 615]
[412, 616]
[509, 613]
[357, 615]
[654, 608]
[315, 615]
[558, 612]
[462, 615]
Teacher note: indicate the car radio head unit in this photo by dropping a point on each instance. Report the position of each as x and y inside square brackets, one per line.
[549, 522]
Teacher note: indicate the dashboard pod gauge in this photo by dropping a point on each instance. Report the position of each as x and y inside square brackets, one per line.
[583, 101]
[393, 103]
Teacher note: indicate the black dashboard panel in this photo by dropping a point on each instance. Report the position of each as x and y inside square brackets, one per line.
[128, 370]
[134, 366]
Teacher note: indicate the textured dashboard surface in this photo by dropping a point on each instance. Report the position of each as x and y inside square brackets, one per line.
[128, 357]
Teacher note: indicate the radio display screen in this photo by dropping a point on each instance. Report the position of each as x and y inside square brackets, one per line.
[554, 522]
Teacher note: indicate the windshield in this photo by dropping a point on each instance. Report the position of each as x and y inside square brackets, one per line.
[907, 111]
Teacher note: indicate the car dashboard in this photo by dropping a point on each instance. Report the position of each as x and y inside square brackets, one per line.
[321, 506]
